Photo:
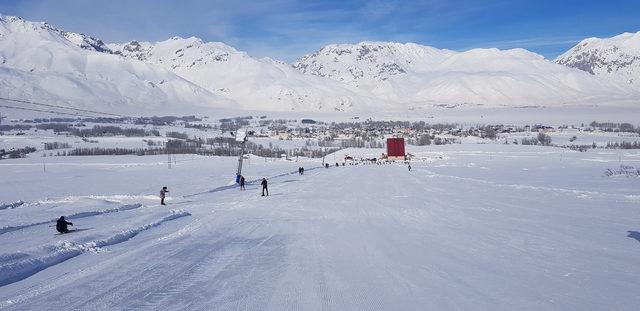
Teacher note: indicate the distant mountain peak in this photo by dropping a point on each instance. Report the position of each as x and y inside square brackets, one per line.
[18, 24]
[366, 62]
[617, 57]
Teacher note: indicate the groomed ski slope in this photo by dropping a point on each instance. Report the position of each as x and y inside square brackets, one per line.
[471, 227]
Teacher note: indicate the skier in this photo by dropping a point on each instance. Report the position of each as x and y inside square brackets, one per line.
[61, 225]
[409, 167]
[241, 182]
[326, 165]
[163, 192]
[264, 187]
[301, 170]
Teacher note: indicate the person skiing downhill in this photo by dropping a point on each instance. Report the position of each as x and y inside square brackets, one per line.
[61, 225]
[241, 182]
[264, 186]
[409, 167]
[163, 192]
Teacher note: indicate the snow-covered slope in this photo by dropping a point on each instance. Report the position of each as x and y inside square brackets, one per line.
[419, 74]
[617, 57]
[262, 84]
[471, 227]
[41, 62]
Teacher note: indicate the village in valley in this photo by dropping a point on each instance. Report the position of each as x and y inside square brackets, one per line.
[284, 138]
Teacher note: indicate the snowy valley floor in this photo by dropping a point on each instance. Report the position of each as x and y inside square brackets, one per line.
[471, 227]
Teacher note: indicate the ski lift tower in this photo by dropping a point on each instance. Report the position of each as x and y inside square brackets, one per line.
[241, 136]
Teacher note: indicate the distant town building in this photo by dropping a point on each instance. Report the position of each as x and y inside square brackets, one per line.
[395, 149]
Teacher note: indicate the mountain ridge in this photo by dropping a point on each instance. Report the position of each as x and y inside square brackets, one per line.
[367, 76]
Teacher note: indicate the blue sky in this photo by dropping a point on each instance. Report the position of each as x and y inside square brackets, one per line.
[287, 29]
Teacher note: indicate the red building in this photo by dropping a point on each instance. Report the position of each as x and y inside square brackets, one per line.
[395, 148]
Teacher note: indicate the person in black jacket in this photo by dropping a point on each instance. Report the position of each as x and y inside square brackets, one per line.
[61, 225]
[264, 186]
[163, 193]
[241, 182]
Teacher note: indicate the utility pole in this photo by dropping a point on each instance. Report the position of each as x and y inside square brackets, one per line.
[620, 156]
[241, 136]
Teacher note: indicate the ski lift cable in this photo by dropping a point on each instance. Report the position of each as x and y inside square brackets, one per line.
[60, 107]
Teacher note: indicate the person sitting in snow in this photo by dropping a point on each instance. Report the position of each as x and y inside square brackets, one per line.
[61, 225]
[163, 193]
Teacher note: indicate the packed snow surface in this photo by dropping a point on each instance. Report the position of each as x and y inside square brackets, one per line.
[470, 227]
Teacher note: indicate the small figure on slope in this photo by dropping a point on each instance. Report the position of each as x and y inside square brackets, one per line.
[241, 182]
[61, 225]
[163, 193]
[409, 167]
[264, 186]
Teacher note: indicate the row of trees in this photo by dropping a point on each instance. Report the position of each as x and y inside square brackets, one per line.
[182, 147]
[623, 145]
[615, 127]
[15, 153]
[56, 145]
[98, 130]
[542, 139]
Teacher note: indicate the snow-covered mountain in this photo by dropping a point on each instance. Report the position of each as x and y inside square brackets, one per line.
[617, 57]
[41, 62]
[262, 84]
[421, 74]
[369, 63]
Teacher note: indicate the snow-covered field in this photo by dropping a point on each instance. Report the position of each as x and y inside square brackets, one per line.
[470, 227]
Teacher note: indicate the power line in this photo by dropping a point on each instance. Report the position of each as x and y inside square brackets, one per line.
[49, 111]
[61, 107]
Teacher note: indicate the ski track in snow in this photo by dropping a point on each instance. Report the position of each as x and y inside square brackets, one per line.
[11, 205]
[125, 207]
[256, 181]
[64, 250]
[584, 194]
